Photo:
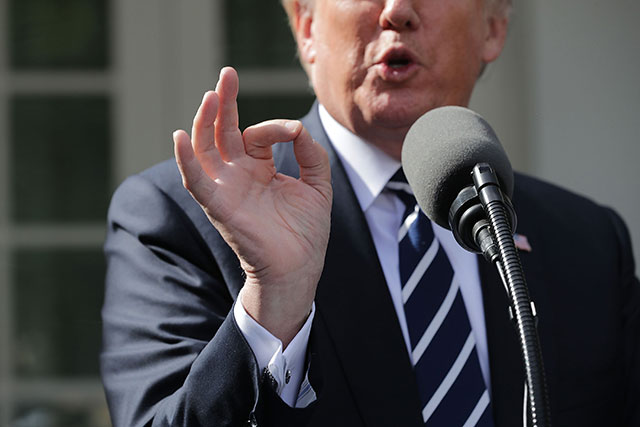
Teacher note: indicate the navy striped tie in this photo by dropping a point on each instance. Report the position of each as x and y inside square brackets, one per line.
[452, 390]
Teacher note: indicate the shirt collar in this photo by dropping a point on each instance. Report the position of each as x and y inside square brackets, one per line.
[368, 168]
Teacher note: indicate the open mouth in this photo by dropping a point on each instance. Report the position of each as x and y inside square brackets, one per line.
[398, 62]
[397, 58]
[397, 65]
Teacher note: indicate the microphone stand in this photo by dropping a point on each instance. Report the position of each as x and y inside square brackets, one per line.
[491, 232]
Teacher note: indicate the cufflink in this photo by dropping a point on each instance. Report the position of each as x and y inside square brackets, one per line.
[252, 422]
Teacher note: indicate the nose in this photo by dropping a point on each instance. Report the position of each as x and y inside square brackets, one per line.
[399, 15]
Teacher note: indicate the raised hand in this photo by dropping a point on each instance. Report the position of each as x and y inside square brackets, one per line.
[278, 226]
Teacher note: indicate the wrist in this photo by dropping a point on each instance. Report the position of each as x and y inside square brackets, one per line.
[281, 310]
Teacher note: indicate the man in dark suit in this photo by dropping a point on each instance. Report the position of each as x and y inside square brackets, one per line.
[199, 291]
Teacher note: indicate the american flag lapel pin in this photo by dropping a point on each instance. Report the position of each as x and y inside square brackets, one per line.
[522, 242]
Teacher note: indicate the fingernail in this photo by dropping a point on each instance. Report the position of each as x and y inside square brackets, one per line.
[292, 125]
[175, 137]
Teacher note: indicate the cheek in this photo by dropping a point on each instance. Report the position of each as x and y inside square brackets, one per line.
[468, 37]
[344, 55]
[347, 27]
[459, 56]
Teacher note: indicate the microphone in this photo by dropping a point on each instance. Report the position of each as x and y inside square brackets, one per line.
[462, 180]
[439, 155]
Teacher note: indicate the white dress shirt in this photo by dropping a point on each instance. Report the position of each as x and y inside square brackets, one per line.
[369, 169]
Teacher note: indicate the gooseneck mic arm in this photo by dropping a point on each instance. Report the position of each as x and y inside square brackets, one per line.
[522, 309]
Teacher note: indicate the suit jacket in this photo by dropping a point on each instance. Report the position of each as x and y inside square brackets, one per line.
[172, 354]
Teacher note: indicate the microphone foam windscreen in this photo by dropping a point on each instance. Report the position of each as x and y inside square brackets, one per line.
[439, 153]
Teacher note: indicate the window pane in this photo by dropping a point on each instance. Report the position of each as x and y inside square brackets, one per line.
[258, 35]
[60, 34]
[257, 108]
[60, 158]
[58, 295]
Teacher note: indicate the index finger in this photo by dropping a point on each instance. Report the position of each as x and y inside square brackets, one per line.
[259, 138]
[312, 158]
[313, 161]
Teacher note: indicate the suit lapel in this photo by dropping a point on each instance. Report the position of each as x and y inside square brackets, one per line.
[505, 362]
[354, 304]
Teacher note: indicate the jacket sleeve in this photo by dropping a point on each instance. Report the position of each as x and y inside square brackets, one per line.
[172, 353]
[630, 322]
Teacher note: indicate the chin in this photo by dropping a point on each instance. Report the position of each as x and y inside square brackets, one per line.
[396, 108]
[394, 115]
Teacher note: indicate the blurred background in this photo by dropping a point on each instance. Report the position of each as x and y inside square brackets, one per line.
[90, 91]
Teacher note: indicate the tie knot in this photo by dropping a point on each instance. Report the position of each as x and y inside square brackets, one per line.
[399, 186]
[399, 176]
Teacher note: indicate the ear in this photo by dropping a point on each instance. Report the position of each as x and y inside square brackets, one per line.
[303, 28]
[496, 26]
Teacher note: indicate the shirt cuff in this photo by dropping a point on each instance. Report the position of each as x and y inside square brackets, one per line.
[286, 367]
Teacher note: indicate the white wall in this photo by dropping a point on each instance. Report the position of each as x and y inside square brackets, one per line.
[166, 56]
[565, 98]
